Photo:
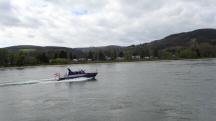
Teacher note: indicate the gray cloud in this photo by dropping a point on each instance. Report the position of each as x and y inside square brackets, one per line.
[81, 23]
[6, 15]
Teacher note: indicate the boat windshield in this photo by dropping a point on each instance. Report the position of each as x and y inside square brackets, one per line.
[75, 72]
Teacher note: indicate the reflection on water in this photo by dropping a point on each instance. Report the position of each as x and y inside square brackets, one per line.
[135, 91]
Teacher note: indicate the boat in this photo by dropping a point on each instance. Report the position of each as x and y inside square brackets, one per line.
[75, 74]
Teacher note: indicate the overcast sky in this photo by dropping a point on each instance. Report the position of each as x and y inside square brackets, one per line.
[84, 23]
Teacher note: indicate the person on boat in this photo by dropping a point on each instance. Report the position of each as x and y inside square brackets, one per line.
[82, 71]
[70, 72]
[75, 72]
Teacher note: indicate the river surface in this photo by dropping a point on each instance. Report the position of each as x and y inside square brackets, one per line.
[133, 91]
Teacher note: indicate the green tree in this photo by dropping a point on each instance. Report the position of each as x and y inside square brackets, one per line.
[71, 56]
[121, 54]
[128, 55]
[113, 54]
[165, 54]
[194, 46]
[187, 53]
[42, 58]
[12, 59]
[56, 55]
[3, 57]
[29, 60]
[60, 61]
[207, 50]
[145, 52]
[90, 55]
[20, 58]
[63, 54]
[101, 55]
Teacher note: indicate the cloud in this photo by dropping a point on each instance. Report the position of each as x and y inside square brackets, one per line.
[6, 15]
[81, 23]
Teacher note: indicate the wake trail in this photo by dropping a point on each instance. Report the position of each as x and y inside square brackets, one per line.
[42, 81]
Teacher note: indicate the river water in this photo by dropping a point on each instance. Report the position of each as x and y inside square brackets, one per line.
[133, 91]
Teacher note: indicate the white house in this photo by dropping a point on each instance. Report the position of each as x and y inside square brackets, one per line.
[119, 58]
[137, 57]
[75, 60]
[108, 58]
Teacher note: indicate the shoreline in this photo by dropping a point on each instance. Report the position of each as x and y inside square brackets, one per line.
[104, 62]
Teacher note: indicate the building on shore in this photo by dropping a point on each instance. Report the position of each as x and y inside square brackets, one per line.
[82, 59]
[137, 57]
[120, 58]
[108, 58]
[89, 59]
[75, 60]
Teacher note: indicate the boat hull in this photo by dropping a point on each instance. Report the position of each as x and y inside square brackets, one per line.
[87, 75]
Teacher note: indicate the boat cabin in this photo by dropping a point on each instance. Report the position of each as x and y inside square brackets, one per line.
[75, 72]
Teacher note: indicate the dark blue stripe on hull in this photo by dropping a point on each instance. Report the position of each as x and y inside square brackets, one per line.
[88, 75]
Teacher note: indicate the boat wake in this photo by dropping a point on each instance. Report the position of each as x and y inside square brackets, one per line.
[43, 81]
[81, 79]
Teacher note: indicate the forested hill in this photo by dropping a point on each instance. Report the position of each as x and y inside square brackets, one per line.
[199, 43]
[176, 40]
[56, 48]
[184, 39]
[195, 44]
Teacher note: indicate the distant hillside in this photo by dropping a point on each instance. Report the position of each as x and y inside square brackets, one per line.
[195, 44]
[20, 47]
[85, 49]
[184, 39]
[176, 40]
[102, 48]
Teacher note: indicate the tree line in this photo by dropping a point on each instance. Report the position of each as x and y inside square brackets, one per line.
[38, 57]
[145, 51]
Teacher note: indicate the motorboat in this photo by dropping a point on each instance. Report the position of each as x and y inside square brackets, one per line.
[75, 74]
